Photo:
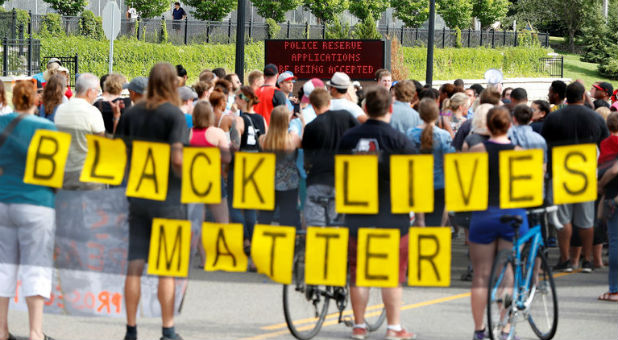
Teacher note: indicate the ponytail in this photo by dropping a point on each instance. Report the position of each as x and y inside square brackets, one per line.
[427, 138]
[429, 113]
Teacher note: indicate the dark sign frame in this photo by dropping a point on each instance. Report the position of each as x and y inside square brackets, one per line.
[386, 54]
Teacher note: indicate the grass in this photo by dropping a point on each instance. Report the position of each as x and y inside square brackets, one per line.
[575, 68]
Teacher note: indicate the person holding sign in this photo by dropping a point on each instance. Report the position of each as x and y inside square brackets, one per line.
[278, 139]
[377, 137]
[574, 124]
[27, 215]
[487, 234]
[158, 118]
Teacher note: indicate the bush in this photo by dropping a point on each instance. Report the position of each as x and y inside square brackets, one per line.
[336, 30]
[471, 63]
[366, 29]
[528, 39]
[458, 43]
[91, 26]
[163, 38]
[134, 58]
[273, 28]
[51, 26]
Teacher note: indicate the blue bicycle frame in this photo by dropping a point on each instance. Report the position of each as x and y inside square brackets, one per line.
[523, 288]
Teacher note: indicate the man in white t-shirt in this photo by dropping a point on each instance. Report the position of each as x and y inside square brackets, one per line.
[79, 118]
[339, 85]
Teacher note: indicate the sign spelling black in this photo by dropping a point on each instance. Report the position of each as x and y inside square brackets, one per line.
[307, 59]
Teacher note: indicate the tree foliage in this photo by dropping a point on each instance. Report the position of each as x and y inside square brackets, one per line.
[91, 26]
[150, 8]
[365, 8]
[456, 13]
[326, 10]
[490, 11]
[214, 10]
[68, 7]
[337, 30]
[367, 29]
[275, 9]
[412, 12]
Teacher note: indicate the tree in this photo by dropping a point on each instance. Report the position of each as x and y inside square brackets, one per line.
[214, 10]
[68, 7]
[490, 11]
[412, 12]
[367, 29]
[275, 9]
[150, 8]
[326, 10]
[365, 8]
[456, 13]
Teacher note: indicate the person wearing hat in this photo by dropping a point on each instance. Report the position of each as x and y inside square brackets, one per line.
[187, 96]
[137, 88]
[603, 91]
[268, 95]
[309, 111]
[41, 76]
[339, 85]
[285, 82]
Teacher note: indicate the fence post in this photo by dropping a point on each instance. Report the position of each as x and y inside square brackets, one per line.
[504, 42]
[29, 55]
[515, 39]
[288, 32]
[443, 36]
[138, 23]
[416, 35]
[323, 30]
[561, 65]
[546, 39]
[76, 66]
[14, 24]
[30, 23]
[186, 30]
[229, 30]
[250, 29]
[401, 37]
[208, 33]
[5, 52]
[493, 38]
[481, 39]
[469, 33]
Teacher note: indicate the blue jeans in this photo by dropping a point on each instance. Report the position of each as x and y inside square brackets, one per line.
[612, 235]
[246, 217]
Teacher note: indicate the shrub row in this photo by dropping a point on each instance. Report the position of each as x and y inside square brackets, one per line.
[134, 58]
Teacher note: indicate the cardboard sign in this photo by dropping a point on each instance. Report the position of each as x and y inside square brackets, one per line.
[521, 178]
[356, 184]
[466, 181]
[254, 181]
[201, 175]
[150, 165]
[413, 188]
[46, 158]
[575, 173]
[377, 262]
[105, 162]
[326, 256]
[224, 247]
[272, 250]
[170, 247]
[429, 254]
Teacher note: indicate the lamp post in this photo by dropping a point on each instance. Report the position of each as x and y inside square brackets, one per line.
[240, 41]
[430, 38]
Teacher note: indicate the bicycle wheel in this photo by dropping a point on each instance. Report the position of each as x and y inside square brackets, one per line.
[304, 306]
[543, 301]
[375, 307]
[500, 295]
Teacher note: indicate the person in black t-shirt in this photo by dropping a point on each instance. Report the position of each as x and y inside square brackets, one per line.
[574, 124]
[378, 137]
[112, 88]
[320, 141]
[157, 119]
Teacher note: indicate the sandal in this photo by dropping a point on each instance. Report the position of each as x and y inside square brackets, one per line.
[611, 297]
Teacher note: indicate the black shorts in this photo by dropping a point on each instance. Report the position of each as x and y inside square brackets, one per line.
[140, 225]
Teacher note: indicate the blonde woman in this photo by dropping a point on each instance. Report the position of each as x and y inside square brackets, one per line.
[285, 144]
[457, 106]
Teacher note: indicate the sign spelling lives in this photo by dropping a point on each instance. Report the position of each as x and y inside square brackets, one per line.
[307, 59]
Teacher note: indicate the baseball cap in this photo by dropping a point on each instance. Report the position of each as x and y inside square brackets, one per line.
[308, 87]
[270, 70]
[54, 60]
[606, 87]
[186, 93]
[285, 76]
[137, 85]
[339, 80]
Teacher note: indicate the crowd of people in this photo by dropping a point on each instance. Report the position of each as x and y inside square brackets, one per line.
[305, 131]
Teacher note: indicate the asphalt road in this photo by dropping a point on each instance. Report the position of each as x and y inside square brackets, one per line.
[247, 306]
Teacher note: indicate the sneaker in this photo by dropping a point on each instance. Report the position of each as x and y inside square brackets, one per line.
[563, 267]
[505, 336]
[480, 335]
[587, 267]
[399, 335]
[177, 337]
[359, 333]
[130, 337]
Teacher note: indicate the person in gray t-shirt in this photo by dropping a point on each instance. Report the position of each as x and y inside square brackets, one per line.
[404, 116]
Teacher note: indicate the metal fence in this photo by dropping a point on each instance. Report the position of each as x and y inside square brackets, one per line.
[20, 56]
[71, 63]
[200, 32]
[553, 66]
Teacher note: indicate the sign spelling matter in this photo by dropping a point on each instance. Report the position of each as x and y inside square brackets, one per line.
[307, 59]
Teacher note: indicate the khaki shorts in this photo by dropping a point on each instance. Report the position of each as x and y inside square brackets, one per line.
[580, 215]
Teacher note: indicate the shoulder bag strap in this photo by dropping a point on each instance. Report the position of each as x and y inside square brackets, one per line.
[9, 128]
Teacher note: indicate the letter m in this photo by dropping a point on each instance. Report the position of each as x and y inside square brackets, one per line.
[163, 248]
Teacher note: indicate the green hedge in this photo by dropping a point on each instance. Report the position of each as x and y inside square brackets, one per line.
[471, 63]
[134, 58]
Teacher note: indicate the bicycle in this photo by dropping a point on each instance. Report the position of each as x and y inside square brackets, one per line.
[300, 299]
[523, 290]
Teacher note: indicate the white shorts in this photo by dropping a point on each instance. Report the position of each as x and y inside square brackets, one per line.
[27, 235]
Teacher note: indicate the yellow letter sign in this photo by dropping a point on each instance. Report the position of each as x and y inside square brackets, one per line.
[377, 257]
[170, 247]
[411, 183]
[429, 257]
[254, 181]
[272, 250]
[201, 175]
[224, 247]
[575, 169]
[47, 156]
[356, 184]
[326, 256]
[150, 165]
[465, 179]
[521, 178]
[105, 162]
